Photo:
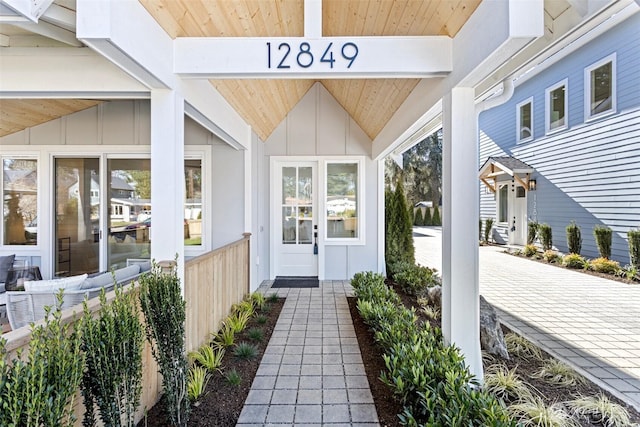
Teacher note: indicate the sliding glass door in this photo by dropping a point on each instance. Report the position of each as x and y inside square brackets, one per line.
[77, 216]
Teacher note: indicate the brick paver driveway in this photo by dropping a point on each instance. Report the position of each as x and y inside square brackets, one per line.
[590, 322]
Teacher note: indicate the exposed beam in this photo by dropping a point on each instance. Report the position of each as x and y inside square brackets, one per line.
[495, 32]
[301, 57]
[521, 182]
[489, 185]
[51, 31]
[127, 35]
[30, 9]
[313, 18]
[62, 72]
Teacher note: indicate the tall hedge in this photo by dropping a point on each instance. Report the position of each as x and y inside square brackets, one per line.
[435, 219]
[398, 228]
[574, 238]
[427, 216]
[634, 247]
[418, 218]
[603, 237]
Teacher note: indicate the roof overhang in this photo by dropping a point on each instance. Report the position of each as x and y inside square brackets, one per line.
[496, 168]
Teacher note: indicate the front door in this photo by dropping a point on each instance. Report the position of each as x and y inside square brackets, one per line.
[295, 218]
[518, 216]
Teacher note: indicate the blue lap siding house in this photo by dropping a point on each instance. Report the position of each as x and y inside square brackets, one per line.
[572, 128]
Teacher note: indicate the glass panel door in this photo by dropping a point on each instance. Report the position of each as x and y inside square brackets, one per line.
[297, 205]
[130, 213]
[77, 215]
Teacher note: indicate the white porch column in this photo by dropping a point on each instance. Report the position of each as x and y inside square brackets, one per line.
[167, 177]
[460, 292]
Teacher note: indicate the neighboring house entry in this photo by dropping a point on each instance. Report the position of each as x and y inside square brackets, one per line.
[294, 213]
[509, 179]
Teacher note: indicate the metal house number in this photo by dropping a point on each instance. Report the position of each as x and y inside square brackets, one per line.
[284, 56]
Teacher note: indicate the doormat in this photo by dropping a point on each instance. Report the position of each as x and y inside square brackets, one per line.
[296, 282]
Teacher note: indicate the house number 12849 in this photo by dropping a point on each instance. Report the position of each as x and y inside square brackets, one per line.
[284, 56]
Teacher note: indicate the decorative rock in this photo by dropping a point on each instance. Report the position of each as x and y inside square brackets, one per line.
[491, 338]
[434, 294]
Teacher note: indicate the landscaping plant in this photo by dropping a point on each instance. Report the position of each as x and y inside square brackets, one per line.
[488, 226]
[412, 215]
[600, 410]
[522, 347]
[427, 216]
[414, 279]
[634, 248]
[245, 351]
[38, 389]
[112, 344]
[535, 413]
[506, 385]
[530, 250]
[603, 237]
[435, 219]
[418, 217]
[551, 256]
[555, 372]
[233, 377]
[398, 228]
[532, 232]
[575, 261]
[604, 265]
[574, 238]
[164, 311]
[197, 382]
[546, 237]
[208, 358]
[225, 337]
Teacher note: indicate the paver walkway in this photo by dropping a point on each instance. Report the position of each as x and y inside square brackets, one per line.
[312, 372]
[591, 323]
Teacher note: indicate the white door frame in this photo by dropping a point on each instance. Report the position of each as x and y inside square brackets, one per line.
[521, 229]
[275, 163]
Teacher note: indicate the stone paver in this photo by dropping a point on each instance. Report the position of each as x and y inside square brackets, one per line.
[312, 371]
[589, 322]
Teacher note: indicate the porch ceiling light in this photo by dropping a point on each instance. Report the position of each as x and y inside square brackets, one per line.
[532, 185]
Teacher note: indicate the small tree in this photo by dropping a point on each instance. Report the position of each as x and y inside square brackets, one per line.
[488, 226]
[427, 216]
[435, 219]
[399, 233]
[546, 237]
[634, 247]
[165, 312]
[532, 232]
[574, 238]
[418, 219]
[603, 237]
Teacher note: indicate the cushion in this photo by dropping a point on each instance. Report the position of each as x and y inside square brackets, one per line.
[6, 262]
[145, 266]
[67, 283]
[127, 273]
[99, 281]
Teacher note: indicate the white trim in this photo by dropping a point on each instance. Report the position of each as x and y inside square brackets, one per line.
[360, 206]
[506, 184]
[381, 217]
[588, 89]
[518, 119]
[547, 107]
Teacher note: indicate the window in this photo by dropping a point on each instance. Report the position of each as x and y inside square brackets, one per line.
[193, 202]
[503, 195]
[556, 107]
[600, 88]
[343, 204]
[20, 201]
[525, 120]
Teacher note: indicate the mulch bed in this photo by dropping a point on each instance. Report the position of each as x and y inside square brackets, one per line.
[388, 407]
[222, 402]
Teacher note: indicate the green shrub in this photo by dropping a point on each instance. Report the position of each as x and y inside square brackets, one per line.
[261, 319]
[574, 261]
[634, 247]
[165, 312]
[245, 351]
[238, 321]
[530, 250]
[208, 358]
[551, 256]
[39, 388]
[225, 337]
[418, 217]
[532, 232]
[412, 215]
[574, 238]
[415, 279]
[198, 379]
[233, 377]
[604, 265]
[255, 334]
[112, 345]
[258, 300]
[435, 219]
[427, 216]
[546, 237]
[603, 237]
[488, 226]
[398, 227]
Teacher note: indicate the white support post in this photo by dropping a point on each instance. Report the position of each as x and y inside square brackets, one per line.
[167, 177]
[460, 291]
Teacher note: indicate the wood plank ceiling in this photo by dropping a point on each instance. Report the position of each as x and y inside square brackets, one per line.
[19, 114]
[265, 103]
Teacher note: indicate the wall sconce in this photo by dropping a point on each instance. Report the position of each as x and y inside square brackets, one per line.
[532, 185]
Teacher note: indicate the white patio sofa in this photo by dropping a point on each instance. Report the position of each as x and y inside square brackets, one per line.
[25, 307]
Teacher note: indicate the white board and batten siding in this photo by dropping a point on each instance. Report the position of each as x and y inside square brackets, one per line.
[317, 128]
[589, 172]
